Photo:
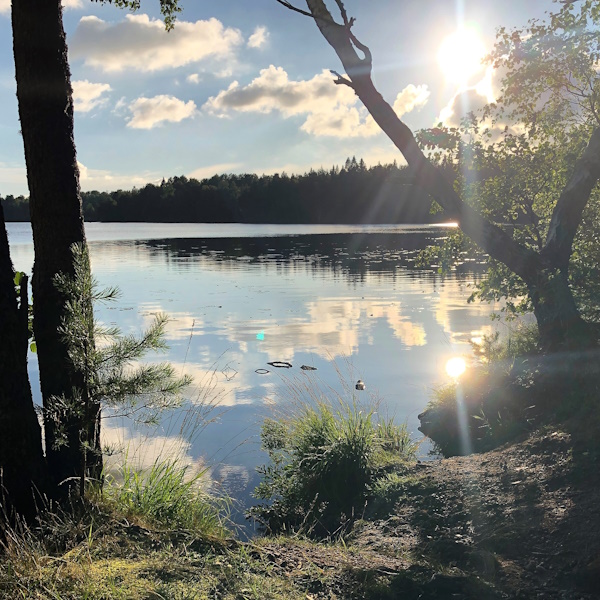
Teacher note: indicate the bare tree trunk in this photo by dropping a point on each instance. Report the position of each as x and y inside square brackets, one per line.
[545, 273]
[46, 112]
[22, 462]
[559, 323]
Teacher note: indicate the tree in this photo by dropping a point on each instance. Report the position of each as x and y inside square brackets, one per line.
[22, 466]
[544, 271]
[45, 102]
[46, 114]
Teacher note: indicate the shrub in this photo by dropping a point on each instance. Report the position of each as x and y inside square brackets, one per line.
[323, 460]
[499, 397]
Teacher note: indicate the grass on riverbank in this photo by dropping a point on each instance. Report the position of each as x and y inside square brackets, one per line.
[324, 461]
[481, 527]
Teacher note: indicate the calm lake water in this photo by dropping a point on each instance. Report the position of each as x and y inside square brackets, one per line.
[346, 300]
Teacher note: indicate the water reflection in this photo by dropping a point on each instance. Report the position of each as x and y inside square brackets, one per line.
[237, 303]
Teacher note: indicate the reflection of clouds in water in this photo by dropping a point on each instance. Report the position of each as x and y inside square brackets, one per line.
[217, 384]
[454, 315]
[180, 326]
[411, 334]
[142, 450]
[231, 477]
[332, 327]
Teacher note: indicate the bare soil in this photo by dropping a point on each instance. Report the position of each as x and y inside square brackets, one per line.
[521, 522]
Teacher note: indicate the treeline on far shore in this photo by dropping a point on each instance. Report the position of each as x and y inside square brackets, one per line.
[351, 194]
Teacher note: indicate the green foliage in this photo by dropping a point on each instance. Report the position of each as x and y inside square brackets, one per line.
[168, 8]
[495, 399]
[512, 159]
[20, 280]
[167, 495]
[322, 462]
[519, 341]
[111, 375]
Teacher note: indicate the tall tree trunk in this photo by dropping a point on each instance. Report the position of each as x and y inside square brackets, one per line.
[545, 273]
[46, 112]
[559, 323]
[22, 465]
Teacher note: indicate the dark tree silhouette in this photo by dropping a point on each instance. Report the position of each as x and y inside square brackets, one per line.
[544, 272]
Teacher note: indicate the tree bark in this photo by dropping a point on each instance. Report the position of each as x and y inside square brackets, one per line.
[22, 462]
[46, 113]
[545, 273]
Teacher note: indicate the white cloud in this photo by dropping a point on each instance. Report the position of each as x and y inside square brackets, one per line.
[331, 110]
[139, 42]
[151, 112]
[193, 78]
[259, 38]
[107, 181]
[272, 90]
[4, 6]
[471, 99]
[210, 170]
[411, 97]
[88, 95]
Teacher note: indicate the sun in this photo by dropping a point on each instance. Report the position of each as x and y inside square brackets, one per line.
[460, 56]
[455, 367]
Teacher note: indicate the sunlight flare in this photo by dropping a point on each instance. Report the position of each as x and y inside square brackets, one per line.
[460, 55]
[455, 367]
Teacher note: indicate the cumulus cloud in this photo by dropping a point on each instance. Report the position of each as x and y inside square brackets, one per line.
[210, 170]
[461, 104]
[471, 99]
[259, 38]
[88, 95]
[331, 110]
[151, 112]
[193, 78]
[104, 180]
[410, 98]
[139, 42]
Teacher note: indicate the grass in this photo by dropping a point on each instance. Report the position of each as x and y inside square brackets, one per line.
[118, 560]
[323, 459]
[167, 495]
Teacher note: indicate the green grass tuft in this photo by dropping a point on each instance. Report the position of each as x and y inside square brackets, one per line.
[168, 495]
[323, 459]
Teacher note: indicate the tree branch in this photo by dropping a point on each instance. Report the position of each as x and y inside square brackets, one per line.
[568, 211]
[294, 8]
[493, 240]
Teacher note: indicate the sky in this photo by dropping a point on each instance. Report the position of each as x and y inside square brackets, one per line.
[244, 85]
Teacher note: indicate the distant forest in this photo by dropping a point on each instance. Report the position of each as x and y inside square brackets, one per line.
[351, 194]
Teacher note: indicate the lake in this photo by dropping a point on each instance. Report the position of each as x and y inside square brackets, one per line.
[345, 300]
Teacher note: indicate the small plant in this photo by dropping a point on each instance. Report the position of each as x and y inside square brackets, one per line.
[168, 495]
[520, 340]
[323, 459]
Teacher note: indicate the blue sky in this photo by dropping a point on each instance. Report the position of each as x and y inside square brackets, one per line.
[243, 85]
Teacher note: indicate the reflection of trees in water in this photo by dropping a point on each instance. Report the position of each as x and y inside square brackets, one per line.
[350, 255]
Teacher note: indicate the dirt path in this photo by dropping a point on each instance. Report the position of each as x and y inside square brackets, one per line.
[521, 522]
[525, 518]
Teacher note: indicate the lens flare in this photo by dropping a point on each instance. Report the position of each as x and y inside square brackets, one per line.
[455, 367]
[460, 56]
